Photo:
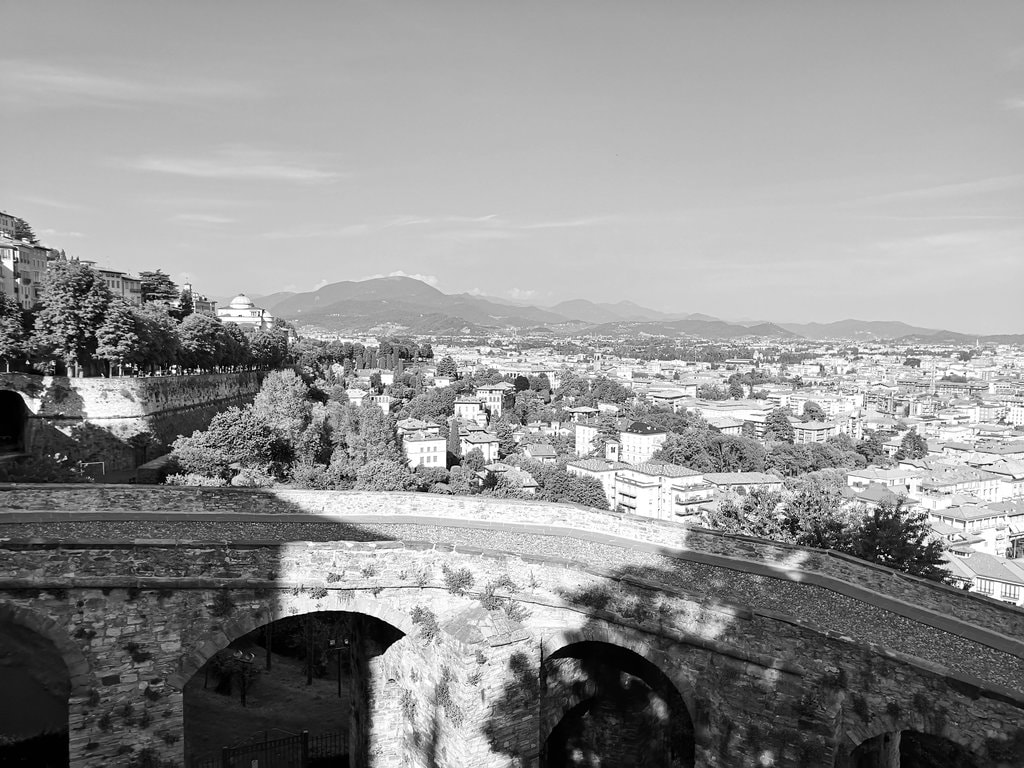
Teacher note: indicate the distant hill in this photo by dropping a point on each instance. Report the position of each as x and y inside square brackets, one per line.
[856, 329]
[404, 304]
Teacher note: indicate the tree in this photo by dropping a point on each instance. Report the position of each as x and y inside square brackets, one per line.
[454, 442]
[284, 405]
[736, 390]
[74, 304]
[913, 446]
[186, 306]
[117, 338]
[812, 412]
[385, 475]
[156, 286]
[201, 342]
[712, 392]
[23, 231]
[447, 367]
[778, 427]
[587, 491]
[521, 383]
[899, 538]
[235, 436]
[13, 339]
[269, 348]
[689, 449]
[506, 437]
[759, 513]
[872, 448]
[474, 460]
[159, 342]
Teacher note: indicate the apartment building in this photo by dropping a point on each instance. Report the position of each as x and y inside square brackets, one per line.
[639, 441]
[424, 449]
[807, 432]
[661, 491]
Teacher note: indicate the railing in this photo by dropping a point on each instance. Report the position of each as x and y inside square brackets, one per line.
[293, 751]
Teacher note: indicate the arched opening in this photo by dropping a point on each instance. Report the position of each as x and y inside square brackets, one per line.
[13, 417]
[312, 673]
[612, 705]
[910, 749]
[35, 687]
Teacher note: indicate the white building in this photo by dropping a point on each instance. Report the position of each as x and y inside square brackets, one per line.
[425, 450]
[245, 314]
[639, 441]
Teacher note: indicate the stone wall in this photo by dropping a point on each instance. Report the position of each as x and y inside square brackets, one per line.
[938, 605]
[760, 689]
[123, 421]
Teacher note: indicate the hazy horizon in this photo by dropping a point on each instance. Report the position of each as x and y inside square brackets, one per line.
[778, 161]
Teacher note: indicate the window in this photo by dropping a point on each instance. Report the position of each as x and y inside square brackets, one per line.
[1011, 591]
[984, 585]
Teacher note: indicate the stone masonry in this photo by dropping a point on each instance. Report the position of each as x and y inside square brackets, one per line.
[134, 617]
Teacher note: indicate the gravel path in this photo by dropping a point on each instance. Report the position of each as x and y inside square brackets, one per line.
[815, 605]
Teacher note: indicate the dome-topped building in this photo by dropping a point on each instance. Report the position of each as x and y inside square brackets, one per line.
[243, 312]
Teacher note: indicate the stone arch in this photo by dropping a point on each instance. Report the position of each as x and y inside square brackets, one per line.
[79, 671]
[13, 421]
[883, 723]
[888, 748]
[609, 661]
[215, 641]
[634, 641]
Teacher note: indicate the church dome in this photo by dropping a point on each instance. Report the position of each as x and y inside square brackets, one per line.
[241, 301]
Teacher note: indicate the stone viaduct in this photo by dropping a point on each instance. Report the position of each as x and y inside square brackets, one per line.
[754, 653]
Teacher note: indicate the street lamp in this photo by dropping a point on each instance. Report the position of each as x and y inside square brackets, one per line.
[336, 647]
[244, 660]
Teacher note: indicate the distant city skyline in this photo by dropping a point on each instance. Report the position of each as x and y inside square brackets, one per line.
[777, 161]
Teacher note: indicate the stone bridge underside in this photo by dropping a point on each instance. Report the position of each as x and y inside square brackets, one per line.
[763, 654]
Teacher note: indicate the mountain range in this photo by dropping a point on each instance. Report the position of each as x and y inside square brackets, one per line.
[406, 305]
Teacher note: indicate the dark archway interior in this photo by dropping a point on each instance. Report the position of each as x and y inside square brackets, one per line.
[311, 672]
[916, 750]
[630, 713]
[13, 417]
[34, 691]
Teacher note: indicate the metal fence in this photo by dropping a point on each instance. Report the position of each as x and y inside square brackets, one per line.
[293, 751]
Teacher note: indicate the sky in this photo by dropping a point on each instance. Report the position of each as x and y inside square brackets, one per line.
[786, 161]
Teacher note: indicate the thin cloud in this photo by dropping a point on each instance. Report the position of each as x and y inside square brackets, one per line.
[202, 218]
[1014, 103]
[567, 223]
[428, 279]
[958, 189]
[58, 233]
[235, 165]
[49, 202]
[352, 230]
[36, 84]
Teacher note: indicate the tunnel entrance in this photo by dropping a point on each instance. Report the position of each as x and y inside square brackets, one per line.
[910, 749]
[35, 688]
[307, 673]
[622, 707]
[13, 417]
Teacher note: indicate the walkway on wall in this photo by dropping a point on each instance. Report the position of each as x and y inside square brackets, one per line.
[975, 654]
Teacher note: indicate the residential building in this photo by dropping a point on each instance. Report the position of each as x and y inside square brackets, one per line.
[8, 224]
[661, 491]
[724, 482]
[904, 480]
[22, 270]
[423, 449]
[987, 575]
[471, 409]
[806, 432]
[541, 452]
[639, 441]
[599, 469]
[493, 395]
[485, 441]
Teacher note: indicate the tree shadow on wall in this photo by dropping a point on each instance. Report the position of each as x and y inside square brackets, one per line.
[598, 703]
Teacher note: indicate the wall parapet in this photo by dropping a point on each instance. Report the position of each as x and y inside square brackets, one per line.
[905, 593]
